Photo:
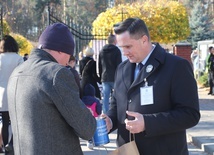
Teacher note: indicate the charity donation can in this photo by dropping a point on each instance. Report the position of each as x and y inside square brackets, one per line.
[101, 134]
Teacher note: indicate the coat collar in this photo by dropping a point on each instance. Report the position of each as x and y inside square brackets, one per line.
[41, 54]
[155, 60]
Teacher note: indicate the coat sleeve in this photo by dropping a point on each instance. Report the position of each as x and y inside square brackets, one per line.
[92, 65]
[184, 102]
[112, 113]
[72, 109]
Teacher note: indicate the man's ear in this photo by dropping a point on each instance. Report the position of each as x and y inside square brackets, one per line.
[144, 38]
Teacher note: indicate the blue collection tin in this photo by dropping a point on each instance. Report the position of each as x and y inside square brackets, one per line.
[101, 134]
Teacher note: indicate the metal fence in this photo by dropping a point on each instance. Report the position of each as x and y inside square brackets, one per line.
[83, 36]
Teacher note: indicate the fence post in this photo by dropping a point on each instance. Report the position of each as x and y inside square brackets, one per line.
[2, 28]
[48, 13]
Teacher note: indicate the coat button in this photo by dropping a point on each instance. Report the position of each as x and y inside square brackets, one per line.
[130, 101]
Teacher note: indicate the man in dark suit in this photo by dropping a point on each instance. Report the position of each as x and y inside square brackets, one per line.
[156, 103]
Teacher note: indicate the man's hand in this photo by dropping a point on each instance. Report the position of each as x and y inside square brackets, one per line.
[137, 125]
[108, 121]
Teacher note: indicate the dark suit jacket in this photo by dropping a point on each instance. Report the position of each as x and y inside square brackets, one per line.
[175, 107]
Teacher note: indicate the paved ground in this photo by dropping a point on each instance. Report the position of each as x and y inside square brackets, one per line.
[202, 135]
[193, 150]
[200, 138]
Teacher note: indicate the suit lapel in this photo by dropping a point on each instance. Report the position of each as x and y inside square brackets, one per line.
[128, 74]
[155, 60]
[144, 74]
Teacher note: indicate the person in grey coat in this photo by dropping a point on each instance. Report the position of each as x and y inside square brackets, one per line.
[47, 115]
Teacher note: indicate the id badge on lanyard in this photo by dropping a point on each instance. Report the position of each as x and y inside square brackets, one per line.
[146, 94]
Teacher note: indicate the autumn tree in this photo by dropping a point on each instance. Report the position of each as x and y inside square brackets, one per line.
[167, 21]
[6, 28]
[25, 46]
[40, 5]
[19, 15]
[117, 2]
[84, 12]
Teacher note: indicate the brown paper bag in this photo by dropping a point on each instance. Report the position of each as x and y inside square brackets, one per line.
[126, 149]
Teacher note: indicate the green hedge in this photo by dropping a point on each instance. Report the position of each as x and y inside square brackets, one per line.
[203, 80]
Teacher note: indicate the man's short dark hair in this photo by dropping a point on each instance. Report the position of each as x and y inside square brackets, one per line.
[135, 26]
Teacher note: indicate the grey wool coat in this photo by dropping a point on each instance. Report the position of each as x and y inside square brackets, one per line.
[46, 113]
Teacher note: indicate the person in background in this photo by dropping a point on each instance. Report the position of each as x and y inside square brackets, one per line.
[93, 104]
[80, 55]
[195, 62]
[9, 60]
[193, 55]
[109, 59]
[47, 115]
[25, 56]
[155, 94]
[88, 72]
[210, 66]
[71, 66]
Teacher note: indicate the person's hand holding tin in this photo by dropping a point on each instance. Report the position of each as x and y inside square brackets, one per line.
[108, 122]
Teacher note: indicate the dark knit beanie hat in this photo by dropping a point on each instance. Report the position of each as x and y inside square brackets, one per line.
[57, 37]
[89, 90]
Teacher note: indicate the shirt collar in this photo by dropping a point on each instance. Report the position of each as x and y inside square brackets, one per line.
[147, 57]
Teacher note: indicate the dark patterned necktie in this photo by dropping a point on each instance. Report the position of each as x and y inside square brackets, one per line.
[140, 66]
